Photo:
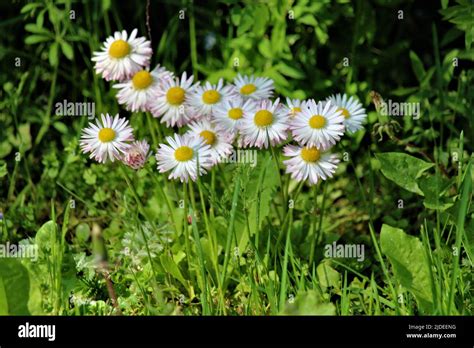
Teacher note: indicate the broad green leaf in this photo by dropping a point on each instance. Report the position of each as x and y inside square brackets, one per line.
[433, 189]
[265, 48]
[46, 236]
[328, 276]
[417, 66]
[33, 28]
[3, 170]
[307, 19]
[403, 169]
[309, 303]
[290, 71]
[33, 39]
[260, 20]
[53, 54]
[19, 293]
[410, 264]
[172, 268]
[67, 50]
[29, 7]
[261, 188]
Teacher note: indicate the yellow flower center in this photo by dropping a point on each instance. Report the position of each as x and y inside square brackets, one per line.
[310, 154]
[142, 79]
[106, 135]
[263, 118]
[296, 109]
[317, 122]
[248, 89]
[175, 95]
[235, 113]
[209, 136]
[211, 96]
[119, 49]
[183, 153]
[344, 111]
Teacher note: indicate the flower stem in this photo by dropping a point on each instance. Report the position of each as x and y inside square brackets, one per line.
[192, 38]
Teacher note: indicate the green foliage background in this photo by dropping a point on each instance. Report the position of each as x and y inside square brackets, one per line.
[411, 51]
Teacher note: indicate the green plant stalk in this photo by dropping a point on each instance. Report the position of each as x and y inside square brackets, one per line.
[230, 229]
[315, 232]
[143, 212]
[192, 38]
[211, 235]
[205, 306]
[151, 126]
[186, 230]
[286, 218]
[167, 200]
[47, 120]
[282, 188]
[374, 239]
[284, 276]
[466, 193]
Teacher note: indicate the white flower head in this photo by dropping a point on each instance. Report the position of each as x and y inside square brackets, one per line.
[136, 155]
[171, 101]
[185, 156]
[137, 92]
[294, 106]
[352, 110]
[108, 139]
[207, 97]
[252, 87]
[122, 56]
[220, 142]
[229, 115]
[265, 125]
[318, 124]
[309, 163]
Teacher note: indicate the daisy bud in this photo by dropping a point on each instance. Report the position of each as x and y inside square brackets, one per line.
[137, 154]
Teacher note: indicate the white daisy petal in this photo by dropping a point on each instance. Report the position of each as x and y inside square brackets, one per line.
[206, 98]
[309, 163]
[105, 141]
[318, 124]
[220, 142]
[182, 157]
[142, 88]
[265, 125]
[121, 57]
[352, 110]
[229, 115]
[252, 87]
[171, 102]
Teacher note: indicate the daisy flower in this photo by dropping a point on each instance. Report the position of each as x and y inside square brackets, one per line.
[181, 157]
[352, 110]
[230, 114]
[294, 106]
[266, 124]
[206, 98]
[122, 56]
[137, 154]
[220, 142]
[309, 163]
[107, 139]
[254, 87]
[318, 124]
[137, 92]
[171, 100]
